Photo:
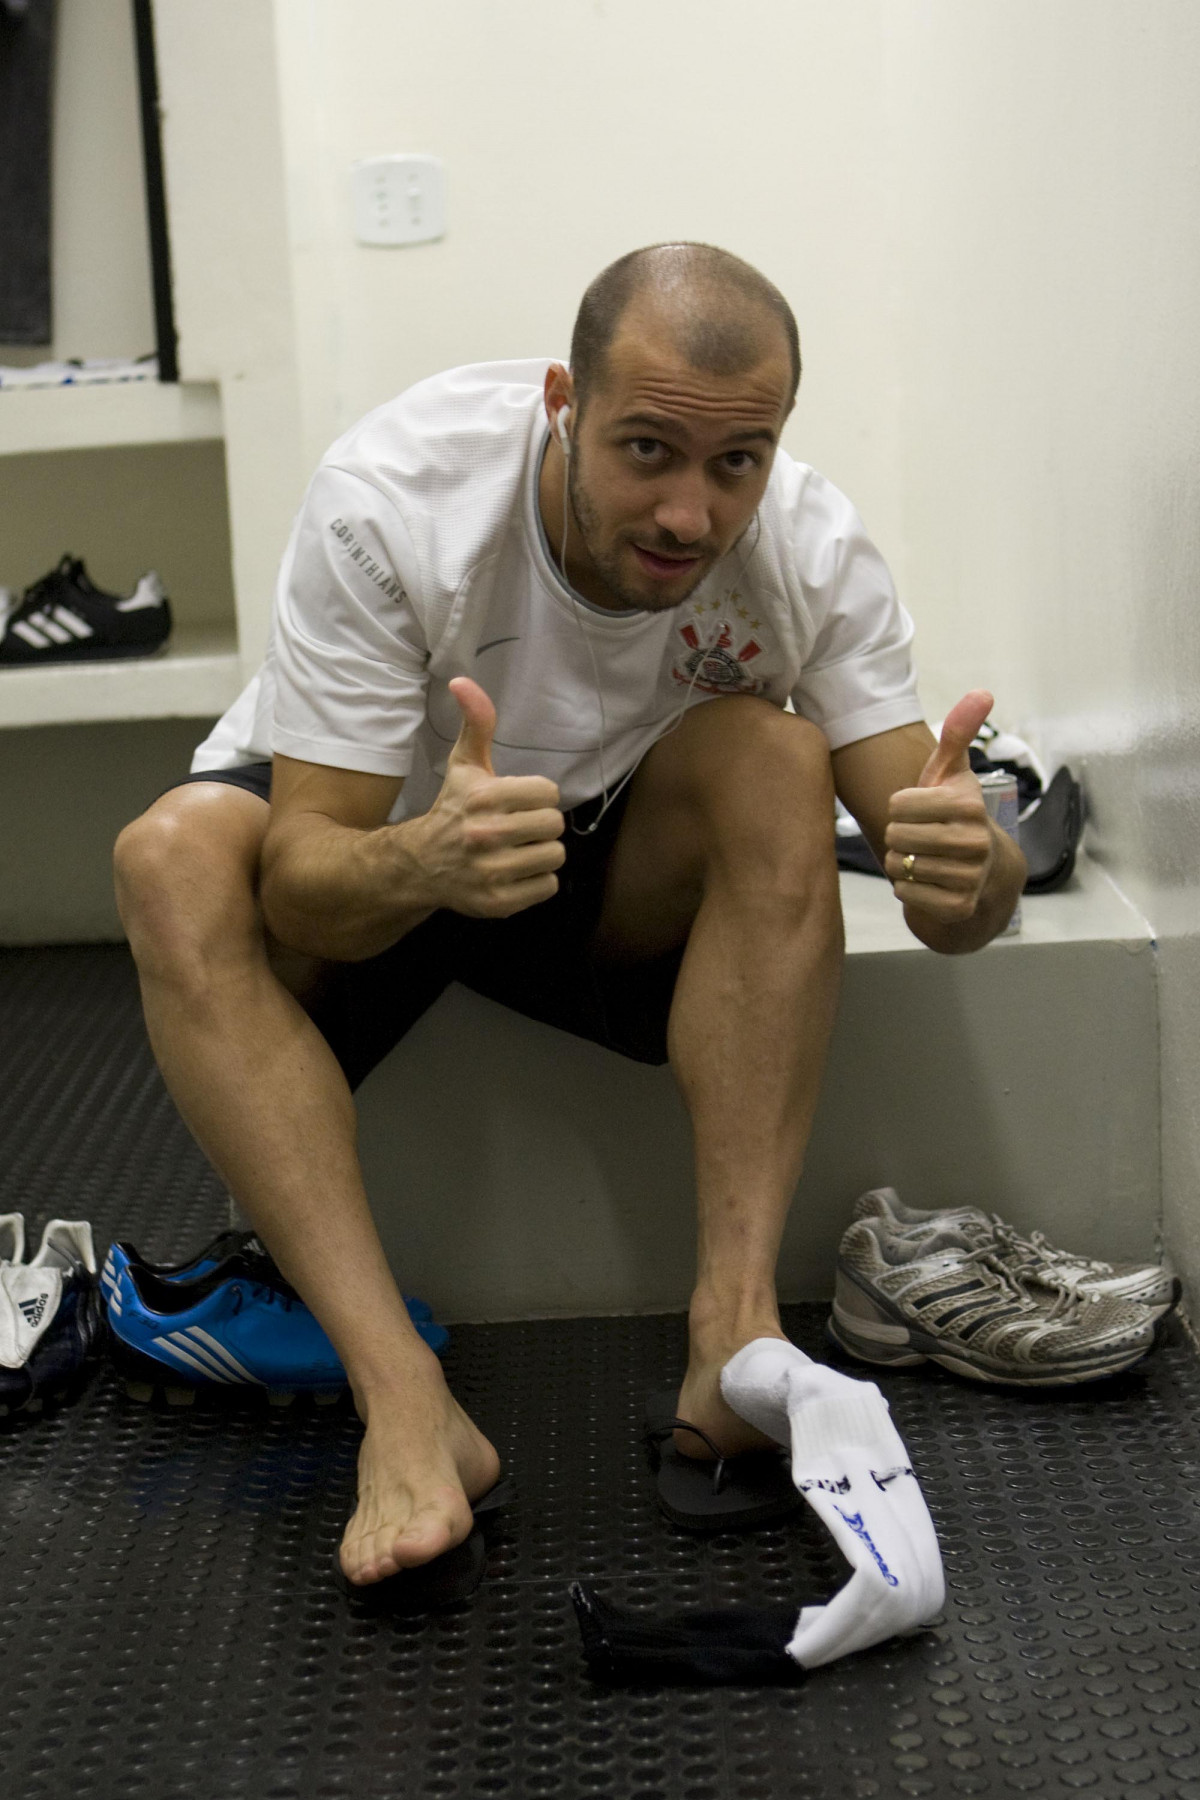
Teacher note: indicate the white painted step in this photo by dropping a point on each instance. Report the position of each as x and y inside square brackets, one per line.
[518, 1172]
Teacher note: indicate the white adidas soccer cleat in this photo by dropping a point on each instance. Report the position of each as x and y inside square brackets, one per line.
[51, 1315]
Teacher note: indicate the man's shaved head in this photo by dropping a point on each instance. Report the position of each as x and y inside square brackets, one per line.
[721, 313]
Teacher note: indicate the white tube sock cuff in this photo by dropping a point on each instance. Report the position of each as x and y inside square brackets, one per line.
[831, 1424]
[849, 1462]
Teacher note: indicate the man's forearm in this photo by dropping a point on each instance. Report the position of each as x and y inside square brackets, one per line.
[342, 894]
[997, 902]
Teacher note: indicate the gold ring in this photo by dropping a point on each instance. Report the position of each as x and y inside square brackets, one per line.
[908, 864]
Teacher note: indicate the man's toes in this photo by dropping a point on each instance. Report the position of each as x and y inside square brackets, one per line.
[368, 1556]
[376, 1562]
[374, 1555]
[356, 1559]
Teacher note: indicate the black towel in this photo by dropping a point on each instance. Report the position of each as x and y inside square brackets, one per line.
[26, 66]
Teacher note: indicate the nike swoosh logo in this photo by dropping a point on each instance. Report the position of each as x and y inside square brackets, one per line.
[492, 642]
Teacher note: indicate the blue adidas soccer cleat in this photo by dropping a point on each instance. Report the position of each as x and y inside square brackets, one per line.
[234, 1243]
[239, 1326]
[121, 1254]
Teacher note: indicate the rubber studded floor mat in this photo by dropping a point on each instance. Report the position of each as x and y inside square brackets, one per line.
[168, 1628]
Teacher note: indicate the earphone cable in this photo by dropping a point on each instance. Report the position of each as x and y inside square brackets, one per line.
[701, 656]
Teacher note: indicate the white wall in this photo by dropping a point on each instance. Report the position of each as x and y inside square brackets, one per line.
[572, 131]
[1044, 162]
[233, 271]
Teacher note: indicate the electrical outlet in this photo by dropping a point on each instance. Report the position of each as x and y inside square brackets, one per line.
[399, 199]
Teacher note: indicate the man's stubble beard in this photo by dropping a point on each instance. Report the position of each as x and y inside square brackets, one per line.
[606, 566]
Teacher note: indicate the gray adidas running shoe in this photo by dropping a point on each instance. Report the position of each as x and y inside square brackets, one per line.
[902, 1300]
[1031, 1259]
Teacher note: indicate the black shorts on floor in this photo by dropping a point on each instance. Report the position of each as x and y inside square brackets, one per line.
[539, 962]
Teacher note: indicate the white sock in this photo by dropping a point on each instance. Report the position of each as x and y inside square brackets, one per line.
[849, 1462]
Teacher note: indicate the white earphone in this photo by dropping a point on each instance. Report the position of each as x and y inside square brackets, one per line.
[560, 426]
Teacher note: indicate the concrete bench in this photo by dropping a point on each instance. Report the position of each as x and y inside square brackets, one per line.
[518, 1172]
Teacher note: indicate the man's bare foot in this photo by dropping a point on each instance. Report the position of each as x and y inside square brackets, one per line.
[421, 1465]
[701, 1402]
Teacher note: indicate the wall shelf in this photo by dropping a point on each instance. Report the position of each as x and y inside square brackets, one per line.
[33, 420]
[196, 677]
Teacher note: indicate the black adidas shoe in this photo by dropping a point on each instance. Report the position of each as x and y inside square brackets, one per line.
[51, 1313]
[64, 617]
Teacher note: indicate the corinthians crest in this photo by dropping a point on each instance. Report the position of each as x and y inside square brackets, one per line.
[718, 663]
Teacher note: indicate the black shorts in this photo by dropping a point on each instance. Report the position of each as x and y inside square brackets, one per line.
[540, 962]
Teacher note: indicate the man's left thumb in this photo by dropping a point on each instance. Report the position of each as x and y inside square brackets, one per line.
[960, 729]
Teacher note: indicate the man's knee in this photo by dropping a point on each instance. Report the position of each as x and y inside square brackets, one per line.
[186, 872]
[767, 805]
[754, 763]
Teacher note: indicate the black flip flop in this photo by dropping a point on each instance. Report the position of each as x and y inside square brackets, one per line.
[730, 1493]
[449, 1578]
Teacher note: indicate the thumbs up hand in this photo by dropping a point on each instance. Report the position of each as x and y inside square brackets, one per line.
[489, 844]
[960, 728]
[940, 841]
[473, 747]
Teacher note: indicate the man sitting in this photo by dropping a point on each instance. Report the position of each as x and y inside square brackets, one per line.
[486, 732]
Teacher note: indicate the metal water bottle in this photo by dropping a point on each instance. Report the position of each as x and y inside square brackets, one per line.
[1000, 798]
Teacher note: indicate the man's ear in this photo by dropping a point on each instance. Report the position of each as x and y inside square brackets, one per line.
[559, 390]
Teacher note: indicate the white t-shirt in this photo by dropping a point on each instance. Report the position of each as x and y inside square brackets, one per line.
[418, 555]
